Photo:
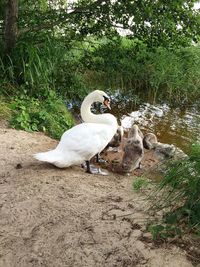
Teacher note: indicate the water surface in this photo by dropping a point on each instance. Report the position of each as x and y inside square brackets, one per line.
[173, 125]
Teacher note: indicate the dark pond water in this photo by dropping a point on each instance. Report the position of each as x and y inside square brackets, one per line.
[173, 125]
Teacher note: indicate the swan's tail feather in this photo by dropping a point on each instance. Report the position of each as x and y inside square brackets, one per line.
[49, 156]
[52, 157]
[45, 156]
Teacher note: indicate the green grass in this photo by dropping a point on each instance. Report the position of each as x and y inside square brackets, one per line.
[40, 69]
[5, 111]
[130, 65]
[140, 183]
[178, 196]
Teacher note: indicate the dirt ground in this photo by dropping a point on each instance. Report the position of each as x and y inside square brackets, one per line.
[52, 217]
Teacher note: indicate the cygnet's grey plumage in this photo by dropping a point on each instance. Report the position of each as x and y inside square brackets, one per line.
[133, 150]
[149, 141]
[117, 138]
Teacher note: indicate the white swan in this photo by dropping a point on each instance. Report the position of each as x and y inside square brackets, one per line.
[85, 140]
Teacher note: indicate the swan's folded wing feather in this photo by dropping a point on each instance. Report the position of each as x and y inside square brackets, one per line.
[86, 138]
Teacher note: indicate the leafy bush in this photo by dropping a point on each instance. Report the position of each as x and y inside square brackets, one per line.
[178, 195]
[49, 115]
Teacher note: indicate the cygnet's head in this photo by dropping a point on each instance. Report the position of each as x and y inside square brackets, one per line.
[133, 131]
[101, 96]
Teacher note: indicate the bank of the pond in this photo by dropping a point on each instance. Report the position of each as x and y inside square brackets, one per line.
[54, 217]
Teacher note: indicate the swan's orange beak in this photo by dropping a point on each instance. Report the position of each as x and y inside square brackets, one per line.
[106, 103]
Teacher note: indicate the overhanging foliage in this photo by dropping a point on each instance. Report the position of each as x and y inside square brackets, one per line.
[156, 23]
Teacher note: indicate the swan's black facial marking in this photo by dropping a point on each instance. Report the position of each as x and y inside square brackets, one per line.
[106, 98]
[106, 101]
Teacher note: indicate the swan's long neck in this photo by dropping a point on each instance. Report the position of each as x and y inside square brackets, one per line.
[88, 116]
[86, 113]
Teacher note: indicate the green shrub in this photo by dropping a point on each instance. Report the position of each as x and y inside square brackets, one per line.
[49, 115]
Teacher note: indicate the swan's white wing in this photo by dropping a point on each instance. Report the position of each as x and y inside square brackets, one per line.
[86, 139]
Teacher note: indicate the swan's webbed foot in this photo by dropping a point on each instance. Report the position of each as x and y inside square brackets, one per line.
[93, 170]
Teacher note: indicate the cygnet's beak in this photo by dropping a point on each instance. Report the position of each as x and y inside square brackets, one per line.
[106, 103]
